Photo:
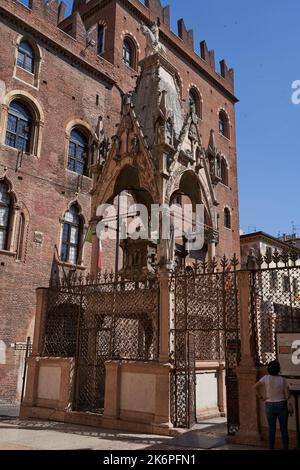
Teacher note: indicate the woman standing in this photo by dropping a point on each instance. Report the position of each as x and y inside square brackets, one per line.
[276, 395]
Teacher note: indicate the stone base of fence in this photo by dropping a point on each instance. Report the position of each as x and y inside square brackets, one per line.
[93, 420]
[136, 395]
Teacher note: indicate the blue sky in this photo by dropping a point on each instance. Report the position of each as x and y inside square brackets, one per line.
[261, 40]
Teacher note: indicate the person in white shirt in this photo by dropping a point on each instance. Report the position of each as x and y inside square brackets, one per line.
[273, 389]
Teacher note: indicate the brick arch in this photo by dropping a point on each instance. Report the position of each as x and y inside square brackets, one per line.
[28, 99]
[131, 36]
[32, 42]
[197, 93]
[203, 197]
[222, 110]
[81, 125]
[73, 202]
[88, 132]
[38, 56]
[126, 35]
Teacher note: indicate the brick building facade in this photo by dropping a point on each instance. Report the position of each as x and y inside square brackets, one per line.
[62, 83]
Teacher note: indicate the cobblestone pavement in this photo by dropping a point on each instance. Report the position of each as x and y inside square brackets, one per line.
[16, 434]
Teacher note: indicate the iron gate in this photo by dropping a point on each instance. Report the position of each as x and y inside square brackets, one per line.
[206, 309]
[183, 381]
[96, 320]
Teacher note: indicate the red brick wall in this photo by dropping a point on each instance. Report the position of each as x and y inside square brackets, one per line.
[70, 78]
[42, 184]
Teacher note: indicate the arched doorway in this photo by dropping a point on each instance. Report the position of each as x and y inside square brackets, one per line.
[128, 245]
[195, 215]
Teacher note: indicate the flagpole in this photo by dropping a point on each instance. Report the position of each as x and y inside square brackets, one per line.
[117, 241]
[80, 251]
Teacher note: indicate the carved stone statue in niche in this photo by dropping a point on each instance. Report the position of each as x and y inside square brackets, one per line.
[199, 159]
[128, 123]
[193, 134]
[170, 132]
[126, 103]
[118, 144]
[170, 160]
[159, 132]
[103, 149]
[134, 146]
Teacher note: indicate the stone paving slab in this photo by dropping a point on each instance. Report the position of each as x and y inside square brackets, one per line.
[198, 440]
[40, 435]
[16, 434]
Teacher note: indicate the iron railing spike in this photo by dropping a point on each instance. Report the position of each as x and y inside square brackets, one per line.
[259, 259]
[224, 262]
[234, 261]
[276, 257]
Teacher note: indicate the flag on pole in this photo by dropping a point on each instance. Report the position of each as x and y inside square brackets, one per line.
[100, 256]
[89, 235]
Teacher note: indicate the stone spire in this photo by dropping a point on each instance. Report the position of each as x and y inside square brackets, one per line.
[157, 99]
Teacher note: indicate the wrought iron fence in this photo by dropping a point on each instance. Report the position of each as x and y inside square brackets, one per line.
[116, 318]
[274, 304]
[206, 306]
[100, 319]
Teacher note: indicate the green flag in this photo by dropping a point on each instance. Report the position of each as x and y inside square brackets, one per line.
[89, 235]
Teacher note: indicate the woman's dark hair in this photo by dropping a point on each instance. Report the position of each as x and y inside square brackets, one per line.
[274, 368]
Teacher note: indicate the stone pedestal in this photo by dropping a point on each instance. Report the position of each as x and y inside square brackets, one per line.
[247, 373]
[248, 407]
[138, 392]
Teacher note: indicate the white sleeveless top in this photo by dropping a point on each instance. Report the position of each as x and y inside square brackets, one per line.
[275, 388]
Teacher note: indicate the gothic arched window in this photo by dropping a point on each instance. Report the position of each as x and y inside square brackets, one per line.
[194, 103]
[224, 124]
[227, 218]
[19, 126]
[78, 153]
[71, 236]
[224, 172]
[129, 53]
[100, 39]
[26, 56]
[5, 209]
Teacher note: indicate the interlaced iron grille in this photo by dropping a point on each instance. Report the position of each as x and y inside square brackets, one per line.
[183, 380]
[206, 307]
[274, 308]
[61, 322]
[100, 320]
